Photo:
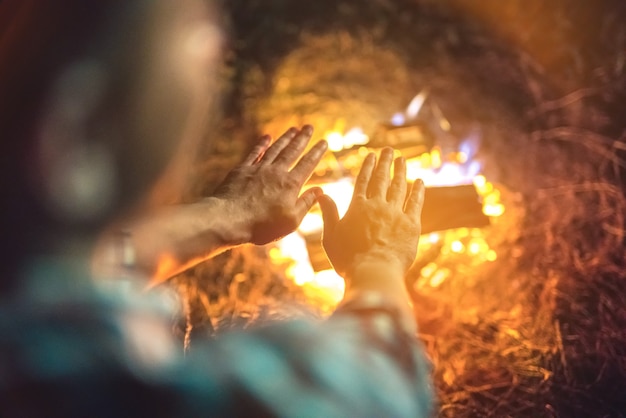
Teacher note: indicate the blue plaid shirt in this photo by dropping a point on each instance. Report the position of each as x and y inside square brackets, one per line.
[72, 348]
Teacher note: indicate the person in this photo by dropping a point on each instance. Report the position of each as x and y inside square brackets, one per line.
[95, 98]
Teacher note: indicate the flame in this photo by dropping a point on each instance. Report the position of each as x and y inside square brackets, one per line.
[311, 223]
[457, 246]
[416, 104]
[434, 171]
[338, 140]
[335, 141]
[325, 287]
[165, 265]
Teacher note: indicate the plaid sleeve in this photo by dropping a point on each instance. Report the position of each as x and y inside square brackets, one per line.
[100, 354]
[362, 362]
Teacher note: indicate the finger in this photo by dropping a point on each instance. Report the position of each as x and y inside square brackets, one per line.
[363, 178]
[294, 148]
[306, 201]
[416, 200]
[303, 170]
[329, 212]
[397, 191]
[380, 178]
[258, 150]
[273, 151]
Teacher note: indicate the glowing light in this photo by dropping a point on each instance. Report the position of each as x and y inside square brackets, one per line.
[435, 156]
[329, 279]
[439, 277]
[341, 192]
[416, 104]
[312, 222]
[484, 189]
[474, 248]
[275, 254]
[354, 136]
[363, 151]
[493, 210]
[292, 248]
[328, 286]
[473, 169]
[335, 141]
[470, 145]
[165, 265]
[413, 170]
[492, 198]
[480, 181]
[398, 119]
[301, 273]
[463, 245]
[338, 141]
[449, 174]
[428, 270]
[457, 247]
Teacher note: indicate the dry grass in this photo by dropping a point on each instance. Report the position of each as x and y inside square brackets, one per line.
[539, 332]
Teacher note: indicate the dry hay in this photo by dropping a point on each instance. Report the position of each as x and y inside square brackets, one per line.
[540, 331]
[236, 290]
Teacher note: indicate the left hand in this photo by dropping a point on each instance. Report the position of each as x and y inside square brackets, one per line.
[265, 191]
[382, 225]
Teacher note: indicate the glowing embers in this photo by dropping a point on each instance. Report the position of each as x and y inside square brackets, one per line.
[490, 197]
[439, 252]
[325, 288]
[339, 139]
[459, 203]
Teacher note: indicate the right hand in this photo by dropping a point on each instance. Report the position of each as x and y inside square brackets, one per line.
[379, 226]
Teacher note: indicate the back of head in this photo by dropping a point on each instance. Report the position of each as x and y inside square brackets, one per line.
[94, 96]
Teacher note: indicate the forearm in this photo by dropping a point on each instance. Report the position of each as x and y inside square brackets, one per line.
[166, 242]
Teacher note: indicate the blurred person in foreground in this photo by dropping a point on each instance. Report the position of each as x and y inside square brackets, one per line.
[95, 99]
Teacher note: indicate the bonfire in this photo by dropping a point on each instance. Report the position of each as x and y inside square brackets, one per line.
[520, 288]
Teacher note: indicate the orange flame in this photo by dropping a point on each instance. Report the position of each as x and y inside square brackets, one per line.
[326, 287]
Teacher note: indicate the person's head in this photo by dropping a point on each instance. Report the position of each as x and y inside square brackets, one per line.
[94, 98]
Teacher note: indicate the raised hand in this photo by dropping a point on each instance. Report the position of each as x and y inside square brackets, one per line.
[265, 190]
[380, 226]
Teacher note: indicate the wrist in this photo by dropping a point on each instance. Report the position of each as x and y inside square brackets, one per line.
[380, 275]
[237, 229]
[378, 259]
[376, 271]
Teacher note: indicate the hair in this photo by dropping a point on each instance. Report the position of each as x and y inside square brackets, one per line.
[38, 41]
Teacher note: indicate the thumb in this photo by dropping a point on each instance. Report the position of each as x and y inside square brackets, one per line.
[329, 212]
[306, 201]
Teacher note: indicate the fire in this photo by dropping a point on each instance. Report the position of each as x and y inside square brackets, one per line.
[338, 141]
[435, 167]
[326, 288]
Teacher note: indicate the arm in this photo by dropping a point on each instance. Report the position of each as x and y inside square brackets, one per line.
[374, 245]
[258, 202]
[365, 360]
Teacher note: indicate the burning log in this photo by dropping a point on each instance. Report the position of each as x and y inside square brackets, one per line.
[452, 207]
[414, 139]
